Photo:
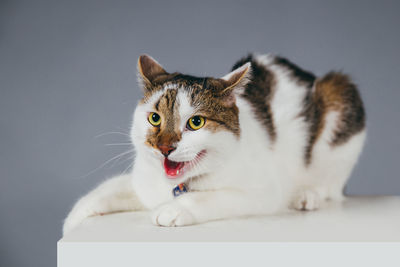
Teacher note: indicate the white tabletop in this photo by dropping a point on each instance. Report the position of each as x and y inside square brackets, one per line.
[356, 219]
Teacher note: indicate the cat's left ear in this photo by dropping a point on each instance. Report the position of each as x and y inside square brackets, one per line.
[236, 81]
[148, 70]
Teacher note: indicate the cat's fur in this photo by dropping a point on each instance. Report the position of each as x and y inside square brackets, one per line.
[275, 137]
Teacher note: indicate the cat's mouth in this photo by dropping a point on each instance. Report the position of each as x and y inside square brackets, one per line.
[174, 169]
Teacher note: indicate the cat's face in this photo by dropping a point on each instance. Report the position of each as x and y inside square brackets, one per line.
[189, 125]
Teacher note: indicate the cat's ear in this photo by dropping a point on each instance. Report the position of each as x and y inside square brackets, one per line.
[235, 81]
[148, 70]
[237, 78]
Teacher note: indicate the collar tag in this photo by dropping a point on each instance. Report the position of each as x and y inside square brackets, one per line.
[179, 189]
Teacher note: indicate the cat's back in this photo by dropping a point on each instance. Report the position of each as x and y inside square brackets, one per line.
[296, 107]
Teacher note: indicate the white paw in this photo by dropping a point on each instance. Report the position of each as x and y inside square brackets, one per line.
[172, 214]
[306, 199]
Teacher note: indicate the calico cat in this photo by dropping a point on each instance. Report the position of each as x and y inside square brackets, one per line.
[265, 137]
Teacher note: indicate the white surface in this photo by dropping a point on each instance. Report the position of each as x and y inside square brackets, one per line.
[232, 254]
[356, 219]
[365, 231]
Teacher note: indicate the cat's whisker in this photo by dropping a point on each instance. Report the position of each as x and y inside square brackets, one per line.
[125, 160]
[117, 161]
[197, 166]
[119, 144]
[108, 133]
[108, 161]
[129, 166]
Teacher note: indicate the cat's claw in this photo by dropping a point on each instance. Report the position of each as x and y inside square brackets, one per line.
[171, 215]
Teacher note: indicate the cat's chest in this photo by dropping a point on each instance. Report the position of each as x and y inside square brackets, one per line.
[151, 188]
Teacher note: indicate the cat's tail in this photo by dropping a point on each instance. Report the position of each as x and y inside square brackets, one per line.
[113, 195]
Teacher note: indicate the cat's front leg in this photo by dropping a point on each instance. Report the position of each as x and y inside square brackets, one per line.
[113, 195]
[198, 207]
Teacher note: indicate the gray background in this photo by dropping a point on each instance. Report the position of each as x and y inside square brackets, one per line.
[67, 75]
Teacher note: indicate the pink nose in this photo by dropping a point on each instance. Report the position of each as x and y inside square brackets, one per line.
[166, 149]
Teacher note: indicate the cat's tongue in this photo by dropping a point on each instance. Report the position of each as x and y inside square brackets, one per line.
[172, 168]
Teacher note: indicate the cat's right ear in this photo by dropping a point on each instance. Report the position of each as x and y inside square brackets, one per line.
[148, 70]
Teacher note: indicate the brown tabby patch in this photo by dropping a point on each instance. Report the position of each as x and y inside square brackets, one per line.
[259, 92]
[333, 92]
[312, 111]
[301, 76]
[338, 93]
[167, 133]
[211, 103]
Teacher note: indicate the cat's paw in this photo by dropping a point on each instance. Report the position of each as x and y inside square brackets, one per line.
[172, 214]
[306, 199]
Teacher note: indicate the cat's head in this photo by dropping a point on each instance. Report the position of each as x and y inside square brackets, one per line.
[188, 125]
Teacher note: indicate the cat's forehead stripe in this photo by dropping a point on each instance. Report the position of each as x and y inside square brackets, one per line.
[170, 86]
[185, 108]
[169, 99]
[152, 99]
[168, 94]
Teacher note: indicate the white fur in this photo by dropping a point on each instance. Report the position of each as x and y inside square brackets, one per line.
[239, 176]
[113, 195]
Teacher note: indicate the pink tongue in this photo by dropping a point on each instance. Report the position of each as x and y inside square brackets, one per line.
[172, 168]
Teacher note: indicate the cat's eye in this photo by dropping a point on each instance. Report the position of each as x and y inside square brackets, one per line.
[154, 119]
[195, 123]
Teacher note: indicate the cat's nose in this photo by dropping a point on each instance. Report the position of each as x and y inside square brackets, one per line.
[166, 149]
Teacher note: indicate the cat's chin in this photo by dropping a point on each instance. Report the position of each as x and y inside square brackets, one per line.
[175, 170]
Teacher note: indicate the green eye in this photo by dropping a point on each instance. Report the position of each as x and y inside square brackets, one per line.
[195, 123]
[154, 119]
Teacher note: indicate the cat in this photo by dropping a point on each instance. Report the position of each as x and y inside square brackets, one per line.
[266, 137]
